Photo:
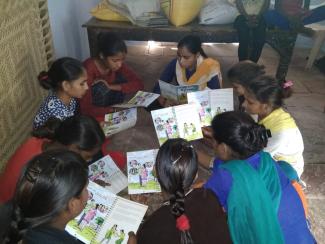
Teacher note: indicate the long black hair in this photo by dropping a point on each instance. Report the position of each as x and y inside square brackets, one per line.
[46, 185]
[240, 132]
[268, 90]
[63, 69]
[176, 167]
[193, 44]
[80, 130]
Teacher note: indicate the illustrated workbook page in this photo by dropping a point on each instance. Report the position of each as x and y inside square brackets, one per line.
[140, 166]
[202, 103]
[164, 121]
[221, 100]
[168, 90]
[119, 121]
[141, 99]
[209, 103]
[106, 217]
[90, 221]
[176, 93]
[188, 122]
[124, 217]
[104, 172]
[182, 92]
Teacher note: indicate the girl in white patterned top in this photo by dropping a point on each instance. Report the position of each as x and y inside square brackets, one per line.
[67, 82]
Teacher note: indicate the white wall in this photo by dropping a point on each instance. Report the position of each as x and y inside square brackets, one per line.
[67, 17]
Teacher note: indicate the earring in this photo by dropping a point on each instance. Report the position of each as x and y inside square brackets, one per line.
[266, 108]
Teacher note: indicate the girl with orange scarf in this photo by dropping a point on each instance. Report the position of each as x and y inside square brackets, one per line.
[191, 67]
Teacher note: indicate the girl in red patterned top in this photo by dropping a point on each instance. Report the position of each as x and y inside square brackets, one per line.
[81, 134]
[108, 76]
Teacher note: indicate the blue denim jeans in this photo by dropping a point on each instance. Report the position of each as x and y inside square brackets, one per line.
[275, 19]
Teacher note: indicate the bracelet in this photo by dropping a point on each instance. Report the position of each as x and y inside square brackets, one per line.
[211, 163]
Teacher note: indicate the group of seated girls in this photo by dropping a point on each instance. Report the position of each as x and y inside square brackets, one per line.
[262, 95]
[103, 81]
[249, 198]
[252, 196]
[89, 89]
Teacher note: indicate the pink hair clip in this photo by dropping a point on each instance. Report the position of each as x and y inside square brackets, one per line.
[288, 83]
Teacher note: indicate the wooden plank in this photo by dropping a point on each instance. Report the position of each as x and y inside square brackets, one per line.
[127, 31]
[211, 33]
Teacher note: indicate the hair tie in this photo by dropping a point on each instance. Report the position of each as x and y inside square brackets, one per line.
[265, 134]
[44, 77]
[183, 223]
[287, 83]
[186, 147]
[32, 174]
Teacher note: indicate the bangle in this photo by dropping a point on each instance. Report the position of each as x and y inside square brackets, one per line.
[211, 163]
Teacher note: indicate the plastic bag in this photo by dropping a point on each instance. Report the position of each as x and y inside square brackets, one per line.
[103, 12]
[217, 12]
[232, 2]
[135, 8]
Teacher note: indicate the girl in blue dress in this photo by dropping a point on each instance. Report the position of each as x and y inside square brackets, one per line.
[260, 201]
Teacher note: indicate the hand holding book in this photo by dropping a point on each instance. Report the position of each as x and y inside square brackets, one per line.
[132, 238]
[207, 135]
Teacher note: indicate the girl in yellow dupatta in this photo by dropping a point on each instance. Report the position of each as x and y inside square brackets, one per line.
[191, 67]
[206, 69]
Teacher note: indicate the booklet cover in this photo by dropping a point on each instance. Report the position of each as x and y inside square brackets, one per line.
[209, 103]
[105, 173]
[177, 121]
[141, 99]
[106, 218]
[140, 166]
[119, 121]
[176, 93]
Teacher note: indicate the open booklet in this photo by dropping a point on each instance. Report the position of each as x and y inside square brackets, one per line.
[176, 93]
[119, 121]
[141, 99]
[209, 103]
[177, 121]
[140, 172]
[105, 173]
[106, 218]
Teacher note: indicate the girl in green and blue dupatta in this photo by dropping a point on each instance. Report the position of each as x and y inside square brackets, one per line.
[261, 204]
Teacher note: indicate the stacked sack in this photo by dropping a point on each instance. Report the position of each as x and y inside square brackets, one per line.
[218, 12]
[178, 12]
[144, 13]
[103, 12]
